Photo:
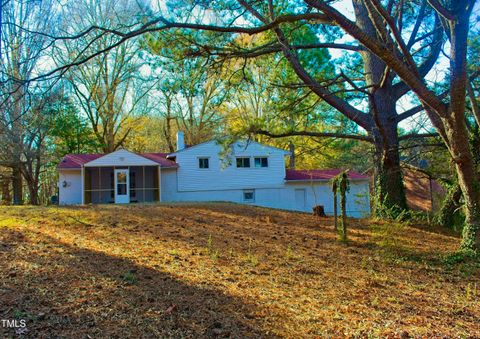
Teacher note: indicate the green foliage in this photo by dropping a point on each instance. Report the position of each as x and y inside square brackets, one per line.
[383, 210]
[129, 277]
[70, 133]
[451, 214]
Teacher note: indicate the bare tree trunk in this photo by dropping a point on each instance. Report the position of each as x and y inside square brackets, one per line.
[468, 179]
[382, 100]
[17, 185]
[33, 192]
[167, 132]
[32, 181]
[6, 197]
[388, 178]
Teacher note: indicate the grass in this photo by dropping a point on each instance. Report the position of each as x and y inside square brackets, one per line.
[224, 270]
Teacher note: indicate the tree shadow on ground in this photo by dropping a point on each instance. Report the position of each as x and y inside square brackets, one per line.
[67, 291]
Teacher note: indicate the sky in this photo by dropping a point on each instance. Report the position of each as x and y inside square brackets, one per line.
[419, 122]
[345, 7]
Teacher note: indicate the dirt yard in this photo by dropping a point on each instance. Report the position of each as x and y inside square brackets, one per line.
[224, 270]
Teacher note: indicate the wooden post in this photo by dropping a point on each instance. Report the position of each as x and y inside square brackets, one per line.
[343, 202]
[83, 185]
[159, 184]
[335, 209]
[143, 183]
[99, 185]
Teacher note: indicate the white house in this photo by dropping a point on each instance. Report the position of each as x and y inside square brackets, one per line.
[250, 173]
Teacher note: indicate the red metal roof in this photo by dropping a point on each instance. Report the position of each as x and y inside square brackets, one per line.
[160, 158]
[77, 160]
[320, 174]
[72, 161]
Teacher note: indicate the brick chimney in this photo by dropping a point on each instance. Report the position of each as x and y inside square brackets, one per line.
[180, 140]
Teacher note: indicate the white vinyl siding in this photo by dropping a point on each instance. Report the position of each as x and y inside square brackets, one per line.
[69, 187]
[223, 173]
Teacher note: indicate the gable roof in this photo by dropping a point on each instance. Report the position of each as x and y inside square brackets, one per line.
[320, 175]
[76, 161]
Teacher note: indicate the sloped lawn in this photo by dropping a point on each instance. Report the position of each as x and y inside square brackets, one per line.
[224, 270]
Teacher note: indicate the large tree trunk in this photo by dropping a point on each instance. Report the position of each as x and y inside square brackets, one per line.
[456, 129]
[6, 197]
[389, 188]
[449, 206]
[33, 193]
[390, 191]
[469, 183]
[17, 185]
[468, 180]
[32, 185]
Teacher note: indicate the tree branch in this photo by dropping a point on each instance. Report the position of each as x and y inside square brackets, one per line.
[418, 136]
[312, 134]
[378, 48]
[410, 112]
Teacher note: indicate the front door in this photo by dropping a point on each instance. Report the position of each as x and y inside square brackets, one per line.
[122, 194]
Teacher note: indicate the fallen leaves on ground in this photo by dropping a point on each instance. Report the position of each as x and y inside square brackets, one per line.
[226, 270]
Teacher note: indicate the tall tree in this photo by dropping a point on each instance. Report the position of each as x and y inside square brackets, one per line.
[109, 88]
[395, 64]
[375, 85]
[24, 25]
[190, 92]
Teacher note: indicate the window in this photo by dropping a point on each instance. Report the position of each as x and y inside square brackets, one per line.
[243, 162]
[203, 163]
[249, 195]
[261, 162]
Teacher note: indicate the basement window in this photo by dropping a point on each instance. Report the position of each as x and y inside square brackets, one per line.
[249, 195]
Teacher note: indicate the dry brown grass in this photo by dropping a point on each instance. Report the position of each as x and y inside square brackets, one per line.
[207, 270]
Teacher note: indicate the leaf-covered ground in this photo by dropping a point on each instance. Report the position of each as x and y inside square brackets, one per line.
[224, 270]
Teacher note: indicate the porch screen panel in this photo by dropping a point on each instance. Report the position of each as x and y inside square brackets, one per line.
[136, 184]
[99, 187]
[151, 183]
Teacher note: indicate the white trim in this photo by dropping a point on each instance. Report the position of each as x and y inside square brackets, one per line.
[159, 183]
[127, 183]
[99, 161]
[82, 174]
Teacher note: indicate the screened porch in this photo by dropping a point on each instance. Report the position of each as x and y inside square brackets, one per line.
[128, 184]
